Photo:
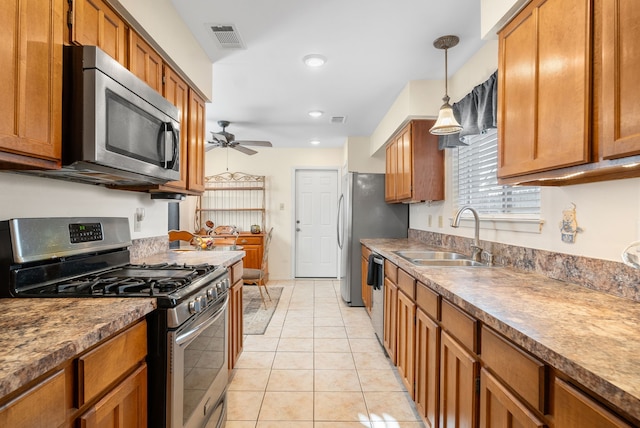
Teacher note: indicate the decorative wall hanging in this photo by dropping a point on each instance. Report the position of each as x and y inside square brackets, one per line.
[569, 225]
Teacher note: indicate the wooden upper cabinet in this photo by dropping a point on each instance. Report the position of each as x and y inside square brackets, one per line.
[145, 62]
[94, 23]
[196, 142]
[414, 165]
[620, 107]
[177, 92]
[544, 88]
[31, 76]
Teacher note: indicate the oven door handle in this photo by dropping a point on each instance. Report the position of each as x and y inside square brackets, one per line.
[193, 331]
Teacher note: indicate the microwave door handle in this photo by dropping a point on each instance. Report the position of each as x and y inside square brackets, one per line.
[176, 145]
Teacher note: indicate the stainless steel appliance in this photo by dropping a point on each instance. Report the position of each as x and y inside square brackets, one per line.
[363, 213]
[117, 130]
[377, 295]
[187, 335]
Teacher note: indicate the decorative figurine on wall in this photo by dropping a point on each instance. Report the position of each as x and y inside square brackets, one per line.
[569, 225]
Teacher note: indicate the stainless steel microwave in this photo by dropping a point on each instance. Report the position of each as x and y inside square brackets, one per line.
[117, 130]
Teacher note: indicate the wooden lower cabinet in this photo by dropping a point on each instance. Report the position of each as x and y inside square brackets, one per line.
[105, 387]
[122, 406]
[236, 329]
[405, 351]
[500, 408]
[390, 320]
[458, 392]
[574, 409]
[367, 290]
[427, 368]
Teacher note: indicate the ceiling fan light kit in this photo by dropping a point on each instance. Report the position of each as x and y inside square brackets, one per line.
[446, 123]
[228, 140]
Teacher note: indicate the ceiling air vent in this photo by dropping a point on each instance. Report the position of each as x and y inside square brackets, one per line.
[338, 119]
[227, 36]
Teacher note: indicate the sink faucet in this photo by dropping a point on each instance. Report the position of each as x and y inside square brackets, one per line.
[476, 250]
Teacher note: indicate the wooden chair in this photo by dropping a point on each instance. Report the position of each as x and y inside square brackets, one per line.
[256, 276]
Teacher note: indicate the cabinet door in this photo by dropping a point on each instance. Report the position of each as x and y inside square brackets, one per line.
[390, 307]
[500, 408]
[253, 257]
[621, 66]
[405, 348]
[427, 367]
[124, 406]
[236, 329]
[458, 394]
[391, 172]
[573, 409]
[544, 88]
[145, 62]
[95, 24]
[177, 92]
[196, 139]
[405, 165]
[366, 288]
[31, 76]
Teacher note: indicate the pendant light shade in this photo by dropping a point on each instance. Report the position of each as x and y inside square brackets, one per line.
[446, 123]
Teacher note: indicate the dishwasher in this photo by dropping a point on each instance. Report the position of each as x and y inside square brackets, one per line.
[375, 279]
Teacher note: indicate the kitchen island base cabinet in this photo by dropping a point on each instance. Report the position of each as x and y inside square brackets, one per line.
[236, 330]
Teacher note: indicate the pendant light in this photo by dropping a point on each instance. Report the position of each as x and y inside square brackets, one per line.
[446, 123]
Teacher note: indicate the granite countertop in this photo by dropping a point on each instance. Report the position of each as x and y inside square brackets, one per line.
[40, 334]
[186, 254]
[591, 336]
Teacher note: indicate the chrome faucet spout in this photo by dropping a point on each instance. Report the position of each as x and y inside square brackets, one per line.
[476, 250]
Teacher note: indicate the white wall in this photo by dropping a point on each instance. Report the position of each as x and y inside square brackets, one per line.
[26, 196]
[278, 166]
[358, 158]
[495, 13]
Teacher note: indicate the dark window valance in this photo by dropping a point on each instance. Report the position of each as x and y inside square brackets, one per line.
[476, 112]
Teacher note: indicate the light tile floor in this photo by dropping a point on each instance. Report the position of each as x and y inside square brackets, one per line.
[318, 365]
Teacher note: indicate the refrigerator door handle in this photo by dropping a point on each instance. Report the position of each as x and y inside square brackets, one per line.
[340, 208]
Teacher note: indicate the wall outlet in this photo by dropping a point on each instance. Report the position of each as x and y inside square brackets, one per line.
[440, 221]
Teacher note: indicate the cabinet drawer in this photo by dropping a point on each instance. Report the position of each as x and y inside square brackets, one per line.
[428, 300]
[236, 272]
[462, 326]
[407, 284]
[102, 366]
[522, 372]
[249, 240]
[391, 271]
[41, 406]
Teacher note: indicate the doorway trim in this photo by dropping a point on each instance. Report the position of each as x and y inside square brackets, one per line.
[294, 204]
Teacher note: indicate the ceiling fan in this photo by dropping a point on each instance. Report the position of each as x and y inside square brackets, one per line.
[226, 139]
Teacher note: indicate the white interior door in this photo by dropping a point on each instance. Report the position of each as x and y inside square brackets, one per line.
[316, 204]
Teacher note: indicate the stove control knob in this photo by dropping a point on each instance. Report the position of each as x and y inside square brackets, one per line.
[211, 294]
[194, 306]
[203, 302]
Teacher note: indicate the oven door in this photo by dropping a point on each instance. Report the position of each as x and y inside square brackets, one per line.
[198, 375]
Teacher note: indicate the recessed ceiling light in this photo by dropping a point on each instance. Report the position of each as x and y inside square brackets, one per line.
[314, 60]
[315, 113]
[314, 142]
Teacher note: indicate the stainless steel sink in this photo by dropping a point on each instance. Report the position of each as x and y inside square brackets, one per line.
[438, 258]
[430, 255]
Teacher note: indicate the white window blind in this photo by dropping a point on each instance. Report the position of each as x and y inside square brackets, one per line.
[476, 184]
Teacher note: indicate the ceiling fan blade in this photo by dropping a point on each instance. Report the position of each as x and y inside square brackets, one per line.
[244, 150]
[254, 143]
[219, 137]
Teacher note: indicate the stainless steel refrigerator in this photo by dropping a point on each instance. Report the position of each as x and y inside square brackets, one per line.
[363, 213]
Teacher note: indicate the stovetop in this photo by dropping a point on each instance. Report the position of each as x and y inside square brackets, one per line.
[158, 280]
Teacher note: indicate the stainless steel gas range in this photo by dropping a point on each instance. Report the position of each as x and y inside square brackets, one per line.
[187, 334]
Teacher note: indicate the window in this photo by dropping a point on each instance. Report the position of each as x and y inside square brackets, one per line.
[475, 182]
